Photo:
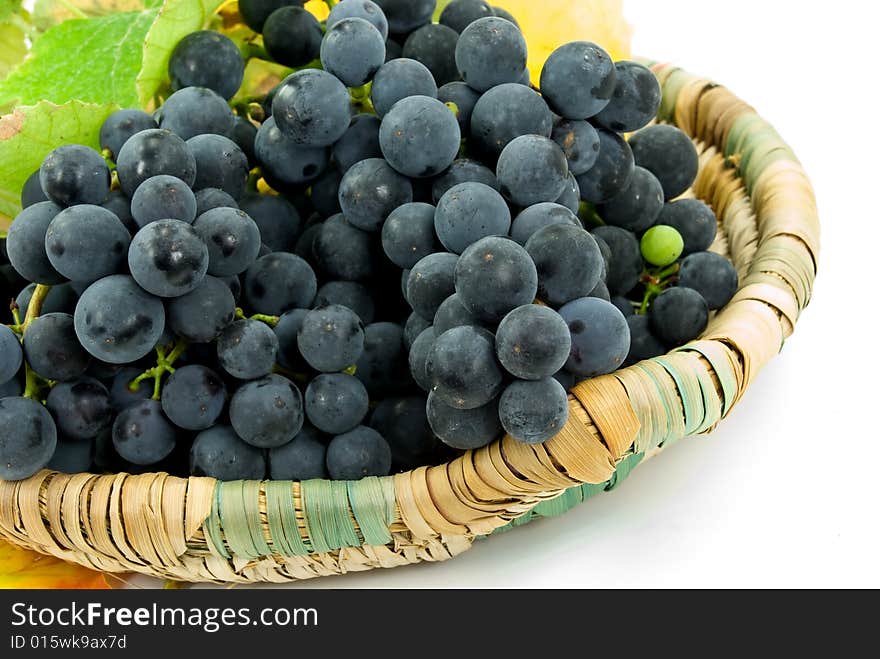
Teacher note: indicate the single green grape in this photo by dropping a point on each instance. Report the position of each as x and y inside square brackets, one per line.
[661, 245]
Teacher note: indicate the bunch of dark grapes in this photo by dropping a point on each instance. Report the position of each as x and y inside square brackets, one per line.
[385, 261]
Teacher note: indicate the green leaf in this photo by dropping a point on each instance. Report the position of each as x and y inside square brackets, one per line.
[176, 19]
[95, 60]
[30, 133]
[13, 47]
[8, 7]
[47, 13]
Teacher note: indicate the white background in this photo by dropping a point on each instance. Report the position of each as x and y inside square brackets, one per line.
[784, 493]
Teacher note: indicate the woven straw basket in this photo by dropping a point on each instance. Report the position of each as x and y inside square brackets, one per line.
[198, 529]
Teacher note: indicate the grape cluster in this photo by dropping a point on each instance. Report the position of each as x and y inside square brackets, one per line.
[403, 251]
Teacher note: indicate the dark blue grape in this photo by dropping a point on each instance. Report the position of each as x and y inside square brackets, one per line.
[434, 46]
[292, 36]
[168, 258]
[403, 422]
[635, 100]
[247, 349]
[533, 411]
[431, 281]
[643, 342]
[121, 393]
[349, 294]
[72, 456]
[679, 315]
[163, 197]
[571, 195]
[458, 14]
[75, 174]
[26, 244]
[580, 143]
[418, 357]
[52, 350]
[153, 152]
[81, 408]
[501, 12]
[279, 282]
[532, 169]
[286, 331]
[463, 369]
[121, 125]
[578, 80]
[336, 402]
[27, 438]
[414, 326]
[623, 304]
[207, 59]
[256, 12]
[535, 218]
[494, 276]
[404, 16]
[399, 79]
[244, 134]
[568, 262]
[343, 251]
[10, 354]
[393, 50]
[358, 453]
[325, 193]
[117, 322]
[532, 342]
[120, 205]
[567, 380]
[331, 339]
[626, 264]
[490, 51]
[637, 206]
[711, 275]
[220, 453]
[612, 172]
[601, 291]
[463, 429]
[32, 192]
[195, 111]
[465, 100]
[312, 108]
[59, 299]
[469, 212]
[201, 315]
[461, 171]
[453, 313]
[669, 154]
[369, 191]
[304, 458]
[365, 9]
[220, 163]
[599, 336]
[694, 220]
[359, 142]
[232, 239]
[142, 435]
[419, 136]
[353, 50]
[276, 218]
[267, 413]
[408, 234]
[506, 112]
[286, 161]
[382, 366]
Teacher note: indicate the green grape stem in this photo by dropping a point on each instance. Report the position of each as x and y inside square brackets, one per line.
[655, 283]
[271, 321]
[164, 364]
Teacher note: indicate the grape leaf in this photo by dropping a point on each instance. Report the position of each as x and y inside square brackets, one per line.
[176, 18]
[95, 60]
[12, 47]
[29, 133]
[47, 13]
[8, 7]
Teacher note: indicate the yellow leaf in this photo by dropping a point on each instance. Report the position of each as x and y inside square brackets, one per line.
[550, 23]
[319, 9]
[20, 568]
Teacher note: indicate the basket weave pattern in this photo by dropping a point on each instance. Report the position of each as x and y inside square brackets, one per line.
[198, 529]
